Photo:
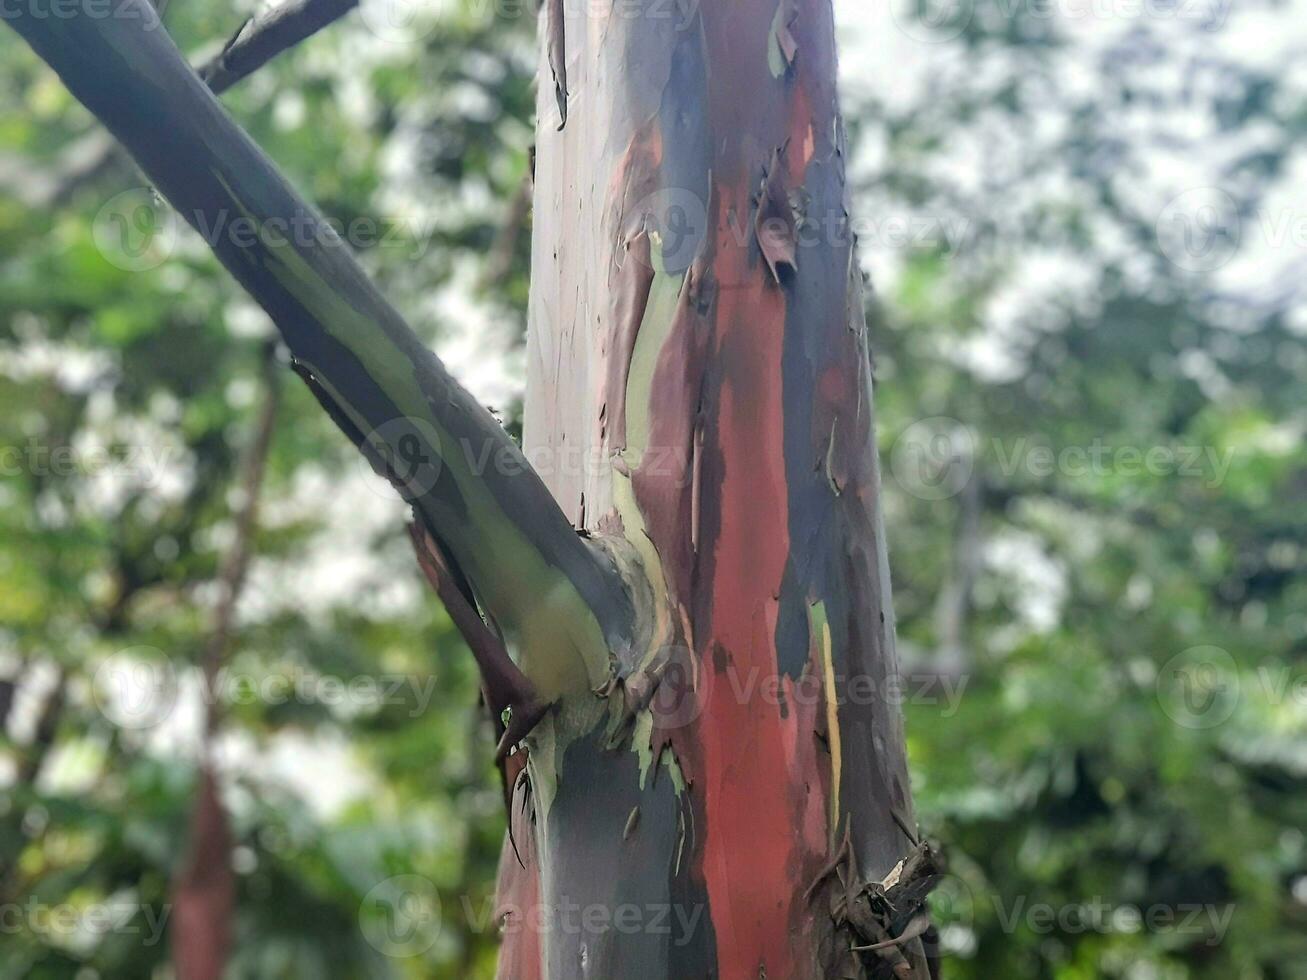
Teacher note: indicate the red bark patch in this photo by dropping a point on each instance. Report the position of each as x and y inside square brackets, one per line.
[755, 761]
[517, 893]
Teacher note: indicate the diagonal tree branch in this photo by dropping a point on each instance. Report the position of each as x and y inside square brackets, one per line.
[468, 482]
[263, 37]
[506, 688]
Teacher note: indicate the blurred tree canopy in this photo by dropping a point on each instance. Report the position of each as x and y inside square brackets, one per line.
[1090, 361]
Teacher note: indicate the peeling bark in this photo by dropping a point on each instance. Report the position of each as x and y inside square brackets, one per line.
[556, 28]
[700, 396]
[697, 337]
[775, 225]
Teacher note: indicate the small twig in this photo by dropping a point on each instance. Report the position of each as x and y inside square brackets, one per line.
[263, 37]
[919, 925]
[260, 39]
[908, 832]
[506, 687]
[882, 916]
[843, 854]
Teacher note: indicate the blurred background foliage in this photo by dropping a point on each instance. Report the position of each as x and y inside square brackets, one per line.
[1086, 249]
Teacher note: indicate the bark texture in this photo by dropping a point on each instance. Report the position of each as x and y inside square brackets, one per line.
[713, 783]
[699, 399]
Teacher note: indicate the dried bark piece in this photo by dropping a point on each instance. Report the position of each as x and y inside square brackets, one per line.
[558, 56]
[775, 226]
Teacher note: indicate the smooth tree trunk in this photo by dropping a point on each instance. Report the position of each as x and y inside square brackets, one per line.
[700, 397]
[677, 589]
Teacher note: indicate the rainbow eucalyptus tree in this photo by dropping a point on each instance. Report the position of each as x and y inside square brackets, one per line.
[676, 588]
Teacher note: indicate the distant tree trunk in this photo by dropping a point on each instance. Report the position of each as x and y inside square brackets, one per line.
[699, 397]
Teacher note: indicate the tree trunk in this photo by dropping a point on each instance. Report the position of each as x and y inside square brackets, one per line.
[699, 396]
[712, 779]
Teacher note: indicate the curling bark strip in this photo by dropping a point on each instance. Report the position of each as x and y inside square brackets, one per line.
[528, 569]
